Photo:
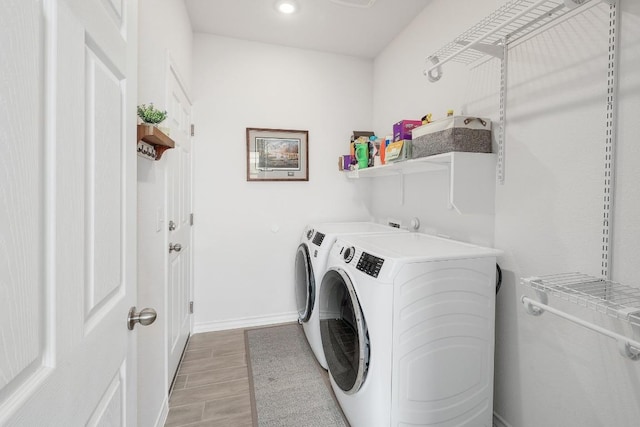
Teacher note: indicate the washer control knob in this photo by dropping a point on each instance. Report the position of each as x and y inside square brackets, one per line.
[348, 254]
[310, 233]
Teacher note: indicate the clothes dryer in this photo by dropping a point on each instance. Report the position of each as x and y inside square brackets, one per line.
[310, 265]
[407, 326]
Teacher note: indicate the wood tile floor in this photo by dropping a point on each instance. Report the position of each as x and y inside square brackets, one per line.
[212, 385]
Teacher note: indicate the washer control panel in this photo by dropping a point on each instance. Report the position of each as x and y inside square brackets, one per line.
[370, 264]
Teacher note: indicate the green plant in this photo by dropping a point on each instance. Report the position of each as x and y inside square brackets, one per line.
[150, 114]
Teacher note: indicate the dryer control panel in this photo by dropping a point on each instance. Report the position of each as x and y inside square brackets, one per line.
[370, 264]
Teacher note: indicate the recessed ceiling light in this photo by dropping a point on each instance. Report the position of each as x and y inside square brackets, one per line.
[287, 6]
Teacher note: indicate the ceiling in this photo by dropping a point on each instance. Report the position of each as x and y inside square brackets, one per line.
[324, 25]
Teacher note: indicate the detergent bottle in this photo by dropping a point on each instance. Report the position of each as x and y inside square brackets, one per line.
[362, 154]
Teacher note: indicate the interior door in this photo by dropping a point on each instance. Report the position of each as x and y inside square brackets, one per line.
[179, 215]
[67, 209]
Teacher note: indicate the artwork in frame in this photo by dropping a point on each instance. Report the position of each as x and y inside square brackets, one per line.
[277, 155]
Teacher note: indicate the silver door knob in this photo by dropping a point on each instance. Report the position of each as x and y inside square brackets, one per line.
[145, 317]
[175, 247]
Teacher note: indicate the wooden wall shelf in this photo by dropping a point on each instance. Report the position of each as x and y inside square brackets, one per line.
[154, 136]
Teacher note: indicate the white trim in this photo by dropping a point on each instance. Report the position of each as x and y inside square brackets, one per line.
[245, 322]
[172, 67]
[162, 417]
[498, 421]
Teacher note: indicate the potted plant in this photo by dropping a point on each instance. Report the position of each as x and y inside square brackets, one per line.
[150, 115]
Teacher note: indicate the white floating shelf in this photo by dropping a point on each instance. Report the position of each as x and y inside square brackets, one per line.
[423, 164]
[471, 177]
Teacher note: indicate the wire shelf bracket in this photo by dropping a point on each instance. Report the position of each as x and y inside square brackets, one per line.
[604, 296]
[610, 139]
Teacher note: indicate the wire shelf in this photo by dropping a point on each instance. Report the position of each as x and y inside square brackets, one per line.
[512, 21]
[612, 298]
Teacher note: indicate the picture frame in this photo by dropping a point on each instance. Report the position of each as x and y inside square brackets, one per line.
[277, 154]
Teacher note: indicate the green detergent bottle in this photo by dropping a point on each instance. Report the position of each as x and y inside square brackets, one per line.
[362, 154]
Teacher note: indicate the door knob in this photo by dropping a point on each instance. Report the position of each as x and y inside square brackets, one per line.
[175, 247]
[145, 317]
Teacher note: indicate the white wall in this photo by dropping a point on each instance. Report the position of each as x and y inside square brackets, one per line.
[549, 210]
[164, 30]
[246, 232]
[627, 231]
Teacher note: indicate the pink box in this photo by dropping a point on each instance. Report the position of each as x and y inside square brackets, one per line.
[402, 129]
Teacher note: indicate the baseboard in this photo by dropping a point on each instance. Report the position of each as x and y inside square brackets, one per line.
[164, 413]
[498, 421]
[245, 322]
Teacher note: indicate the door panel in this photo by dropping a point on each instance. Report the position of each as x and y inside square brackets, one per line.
[23, 295]
[175, 269]
[67, 270]
[104, 111]
[109, 409]
[115, 8]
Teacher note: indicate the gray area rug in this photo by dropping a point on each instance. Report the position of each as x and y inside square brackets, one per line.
[289, 387]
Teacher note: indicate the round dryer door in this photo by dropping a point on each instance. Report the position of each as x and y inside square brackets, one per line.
[305, 286]
[345, 339]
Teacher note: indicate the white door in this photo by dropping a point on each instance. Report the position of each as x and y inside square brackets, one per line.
[179, 215]
[67, 212]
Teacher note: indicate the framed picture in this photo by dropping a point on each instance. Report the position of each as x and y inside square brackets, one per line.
[277, 155]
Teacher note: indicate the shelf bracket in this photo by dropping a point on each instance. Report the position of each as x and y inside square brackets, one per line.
[434, 73]
[503, 111]
[610, 139]
[497, 51]
[627, 350]
[535, 310]
[450, 194]
[465, 172]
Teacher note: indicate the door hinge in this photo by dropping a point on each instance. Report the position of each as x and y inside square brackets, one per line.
[191, 219]
[191, 307]
[193, 129]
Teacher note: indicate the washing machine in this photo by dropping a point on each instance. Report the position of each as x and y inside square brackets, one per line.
[310, 264]
[407, 327]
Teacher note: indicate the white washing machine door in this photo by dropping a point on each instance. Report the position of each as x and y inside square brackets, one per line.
[305, 286]
[345, 339]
